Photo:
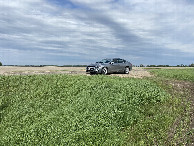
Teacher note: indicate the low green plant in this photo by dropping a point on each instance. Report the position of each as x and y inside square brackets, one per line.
[83, 110]
[178, 74]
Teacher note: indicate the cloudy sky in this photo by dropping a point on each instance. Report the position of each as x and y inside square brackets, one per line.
[60, 32]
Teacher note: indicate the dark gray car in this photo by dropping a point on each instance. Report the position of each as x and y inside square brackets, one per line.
[107, 66]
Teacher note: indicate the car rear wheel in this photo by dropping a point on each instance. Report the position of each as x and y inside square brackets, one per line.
[127, 70]
[104, 71]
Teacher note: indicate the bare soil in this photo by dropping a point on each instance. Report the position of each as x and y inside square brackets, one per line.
[13, 70]
[186, 90]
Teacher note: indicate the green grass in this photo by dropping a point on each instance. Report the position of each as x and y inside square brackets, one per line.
[178, 74]
[150, 68]
[182, 90]
[82, 110]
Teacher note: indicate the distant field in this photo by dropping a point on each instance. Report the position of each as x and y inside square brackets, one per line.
[186, 74]
[15, 70]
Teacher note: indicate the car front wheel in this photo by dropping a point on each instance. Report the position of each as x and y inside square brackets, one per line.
[126, 70]
[104, 71]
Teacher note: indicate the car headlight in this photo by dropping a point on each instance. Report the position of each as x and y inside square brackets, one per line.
[98, 66]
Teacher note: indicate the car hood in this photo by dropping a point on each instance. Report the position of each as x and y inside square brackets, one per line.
[95, 64]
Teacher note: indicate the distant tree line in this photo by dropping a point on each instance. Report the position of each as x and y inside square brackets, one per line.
[73, 65]
[158, 66]
[181, 65]
[141, 65]
[191, 65]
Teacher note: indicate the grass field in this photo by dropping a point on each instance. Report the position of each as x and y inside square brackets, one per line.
[178, 74]
[85, 110]
[180, 84]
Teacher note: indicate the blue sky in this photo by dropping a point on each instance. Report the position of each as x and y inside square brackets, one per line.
[59, 32]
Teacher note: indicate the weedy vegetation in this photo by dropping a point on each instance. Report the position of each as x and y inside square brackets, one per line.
[178, 74]
[180, 84]
[84, 110]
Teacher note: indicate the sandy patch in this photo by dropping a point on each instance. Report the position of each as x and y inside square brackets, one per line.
[13, 70]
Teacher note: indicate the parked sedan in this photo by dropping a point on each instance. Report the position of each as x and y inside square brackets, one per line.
[107, 66]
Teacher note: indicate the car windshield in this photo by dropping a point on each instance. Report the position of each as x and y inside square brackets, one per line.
[104, 61]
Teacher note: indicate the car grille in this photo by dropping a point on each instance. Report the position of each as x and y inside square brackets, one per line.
[91, 68]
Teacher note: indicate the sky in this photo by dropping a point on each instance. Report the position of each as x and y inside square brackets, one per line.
[62, 32]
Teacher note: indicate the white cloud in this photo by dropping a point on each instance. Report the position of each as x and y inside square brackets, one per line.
[105, 28]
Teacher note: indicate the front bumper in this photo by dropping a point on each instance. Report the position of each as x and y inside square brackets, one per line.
[93, 70]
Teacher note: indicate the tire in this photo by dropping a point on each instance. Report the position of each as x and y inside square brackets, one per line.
[127, 70]
[105, 71]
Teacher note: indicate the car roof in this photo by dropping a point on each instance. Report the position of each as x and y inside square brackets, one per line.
[116, 58]
[112, 58]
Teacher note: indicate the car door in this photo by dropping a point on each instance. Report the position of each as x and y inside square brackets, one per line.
[121, 63]
[113, 66]
[116, 65]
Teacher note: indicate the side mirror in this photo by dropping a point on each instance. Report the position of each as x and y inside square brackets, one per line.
[111, 62]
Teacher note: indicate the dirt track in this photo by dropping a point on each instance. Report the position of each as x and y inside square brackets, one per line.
[12, 70]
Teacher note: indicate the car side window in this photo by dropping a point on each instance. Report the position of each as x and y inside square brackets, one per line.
[120, 60]
[107, 61]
